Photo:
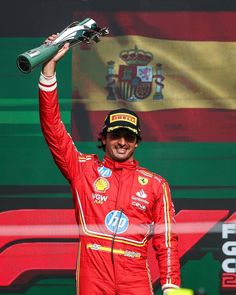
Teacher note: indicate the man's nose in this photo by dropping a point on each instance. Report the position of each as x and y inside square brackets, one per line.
[122, 140]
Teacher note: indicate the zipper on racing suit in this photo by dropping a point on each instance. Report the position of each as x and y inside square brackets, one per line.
[114, 236]
[117, 226]
[121, 210]
[112, 248]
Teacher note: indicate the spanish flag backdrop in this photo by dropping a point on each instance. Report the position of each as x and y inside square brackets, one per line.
[175, 69]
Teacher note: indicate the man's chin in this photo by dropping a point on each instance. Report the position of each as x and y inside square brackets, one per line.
[121, 157]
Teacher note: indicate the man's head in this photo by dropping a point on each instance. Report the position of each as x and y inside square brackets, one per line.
[120, 134]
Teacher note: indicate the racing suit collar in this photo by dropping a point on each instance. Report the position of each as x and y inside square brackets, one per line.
[119, 165]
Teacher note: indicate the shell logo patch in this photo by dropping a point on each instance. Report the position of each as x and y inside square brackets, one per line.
[142, 180]
[101, 185]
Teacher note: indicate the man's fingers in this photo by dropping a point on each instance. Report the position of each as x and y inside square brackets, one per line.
[61, 52]
[66, 45]
[51, 38]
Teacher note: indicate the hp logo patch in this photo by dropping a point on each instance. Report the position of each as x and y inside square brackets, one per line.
[116, 222]
[104, 172]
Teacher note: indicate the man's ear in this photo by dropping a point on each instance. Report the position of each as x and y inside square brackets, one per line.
[104, 139]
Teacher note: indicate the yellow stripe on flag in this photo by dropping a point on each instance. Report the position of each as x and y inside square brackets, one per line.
[197, 74]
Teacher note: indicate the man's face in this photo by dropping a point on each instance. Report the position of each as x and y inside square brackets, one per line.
[120, 144]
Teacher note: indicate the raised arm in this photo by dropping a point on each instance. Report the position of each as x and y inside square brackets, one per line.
[59, 141]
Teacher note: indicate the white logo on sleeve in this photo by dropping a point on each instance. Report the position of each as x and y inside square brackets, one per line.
[141, 194]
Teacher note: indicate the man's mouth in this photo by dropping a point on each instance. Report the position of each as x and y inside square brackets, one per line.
[121, 150]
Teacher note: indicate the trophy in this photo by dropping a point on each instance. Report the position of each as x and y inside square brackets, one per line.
[77, 32]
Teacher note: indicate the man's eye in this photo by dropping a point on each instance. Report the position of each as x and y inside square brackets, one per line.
[115, 135]
[130, 137]
[127, 136]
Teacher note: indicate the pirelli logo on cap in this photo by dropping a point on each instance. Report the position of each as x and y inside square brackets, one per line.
[123, 117]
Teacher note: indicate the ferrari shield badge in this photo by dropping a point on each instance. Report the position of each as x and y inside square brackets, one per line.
[142, 180]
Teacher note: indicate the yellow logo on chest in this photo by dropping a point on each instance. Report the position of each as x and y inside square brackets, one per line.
[101, 185]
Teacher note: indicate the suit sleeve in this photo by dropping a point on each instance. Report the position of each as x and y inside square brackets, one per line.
[59, 141]
[165, 240]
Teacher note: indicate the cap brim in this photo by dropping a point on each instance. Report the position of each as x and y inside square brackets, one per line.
[110, 129]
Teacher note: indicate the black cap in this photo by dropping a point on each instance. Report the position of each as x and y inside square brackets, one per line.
[122, 118]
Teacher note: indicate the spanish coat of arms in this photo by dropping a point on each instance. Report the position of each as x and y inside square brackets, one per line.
[134, 80]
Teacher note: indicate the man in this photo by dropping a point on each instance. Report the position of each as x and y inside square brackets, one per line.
[118, 204]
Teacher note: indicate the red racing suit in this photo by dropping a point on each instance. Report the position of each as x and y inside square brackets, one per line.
[118, 206]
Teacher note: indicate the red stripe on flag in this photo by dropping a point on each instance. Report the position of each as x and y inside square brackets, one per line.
[186, 125]
[176, 25]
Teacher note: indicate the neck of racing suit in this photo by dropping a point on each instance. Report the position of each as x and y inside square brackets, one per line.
[114, 165]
